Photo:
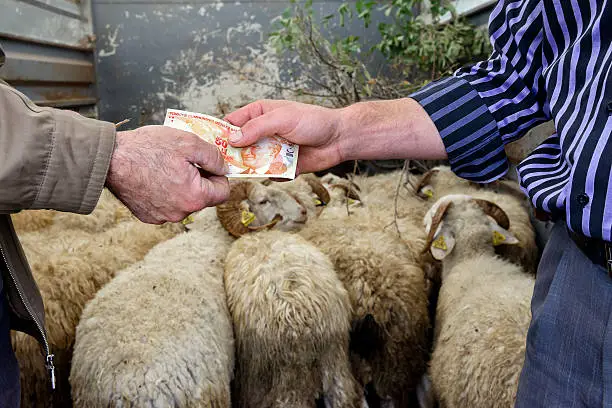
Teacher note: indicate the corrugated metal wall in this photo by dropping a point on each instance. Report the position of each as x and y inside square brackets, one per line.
[49, 52]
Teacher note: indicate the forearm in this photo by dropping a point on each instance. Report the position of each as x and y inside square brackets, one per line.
[396, 129]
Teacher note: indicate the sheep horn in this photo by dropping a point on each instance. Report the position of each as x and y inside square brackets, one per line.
[229, 213]
[424, 180]
[435, 222]
[494, 211]
[271, 224]
[350, 189]
[319, 189]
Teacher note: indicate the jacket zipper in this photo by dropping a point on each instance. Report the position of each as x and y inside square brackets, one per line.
[48, 356]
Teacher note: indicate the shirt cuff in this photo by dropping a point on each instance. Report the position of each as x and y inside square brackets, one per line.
[472, 140]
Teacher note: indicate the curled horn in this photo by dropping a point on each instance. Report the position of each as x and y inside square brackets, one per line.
[351, 189]
[424, 180]
[494, 211]
[230, 212]
[318, 188]
[435, 223]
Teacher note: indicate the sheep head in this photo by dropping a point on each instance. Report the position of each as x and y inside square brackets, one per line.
[473, 218]
[256, 206]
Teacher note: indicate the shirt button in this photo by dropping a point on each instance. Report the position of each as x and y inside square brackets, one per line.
[582, 200]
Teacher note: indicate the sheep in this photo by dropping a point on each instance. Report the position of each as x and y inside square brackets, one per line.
[256, 206]
[483, 310]
[441, 181]
[366, 257]
[388, 293]
[67, 281]
[291, 319]
[108, 212]
[160, 334]
[32, 220]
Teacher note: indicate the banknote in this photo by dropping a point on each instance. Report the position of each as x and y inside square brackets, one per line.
[269, 157]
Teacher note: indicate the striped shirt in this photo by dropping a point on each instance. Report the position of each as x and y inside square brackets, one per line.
[552, 60]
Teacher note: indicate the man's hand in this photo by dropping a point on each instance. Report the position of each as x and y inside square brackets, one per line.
[395, 129]
[153, 172]
[314, 128]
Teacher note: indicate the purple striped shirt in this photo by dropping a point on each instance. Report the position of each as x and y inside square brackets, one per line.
[552, 60]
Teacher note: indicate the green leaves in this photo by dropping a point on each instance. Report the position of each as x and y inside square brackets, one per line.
[413, 47]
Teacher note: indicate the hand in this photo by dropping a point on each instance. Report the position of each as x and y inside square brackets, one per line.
[153, 172]
[314, 128]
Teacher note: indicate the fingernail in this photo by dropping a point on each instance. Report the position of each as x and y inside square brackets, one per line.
[235, 136]
[226, 168]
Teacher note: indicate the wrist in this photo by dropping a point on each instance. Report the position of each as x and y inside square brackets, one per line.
[115, 162]
[347, 134]
[391, 129]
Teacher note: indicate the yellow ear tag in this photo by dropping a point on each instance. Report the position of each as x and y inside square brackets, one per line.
[428, 192]
[247, 218]
[351, 201]
[440, 243]
[318, 202]
[498, 238]
[187, 220]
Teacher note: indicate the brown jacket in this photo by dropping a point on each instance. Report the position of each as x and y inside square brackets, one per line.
[49, 159]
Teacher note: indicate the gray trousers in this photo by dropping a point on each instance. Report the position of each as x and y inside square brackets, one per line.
[568, 361]
[9, 369]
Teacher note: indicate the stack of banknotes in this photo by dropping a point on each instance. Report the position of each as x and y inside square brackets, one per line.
[269, 157]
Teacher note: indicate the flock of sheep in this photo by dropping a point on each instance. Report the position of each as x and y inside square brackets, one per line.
[392, 290]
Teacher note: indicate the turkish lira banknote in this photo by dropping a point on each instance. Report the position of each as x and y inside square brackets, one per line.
[269, 157]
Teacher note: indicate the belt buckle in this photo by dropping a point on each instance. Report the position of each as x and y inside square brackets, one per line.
[608, 251]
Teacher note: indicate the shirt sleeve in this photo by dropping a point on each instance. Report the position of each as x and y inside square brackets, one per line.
[482, 107]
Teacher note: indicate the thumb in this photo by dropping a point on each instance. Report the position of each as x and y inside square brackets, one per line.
[208, 157]
[277, 122]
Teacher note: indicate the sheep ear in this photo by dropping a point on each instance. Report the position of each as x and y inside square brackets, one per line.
[502, 236]
[443, 243]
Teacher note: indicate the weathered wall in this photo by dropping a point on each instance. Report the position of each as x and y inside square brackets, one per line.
[159, 54]
[49, 54]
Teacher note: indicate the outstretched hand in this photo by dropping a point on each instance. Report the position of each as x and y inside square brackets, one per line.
[314, 128]
[153, 172]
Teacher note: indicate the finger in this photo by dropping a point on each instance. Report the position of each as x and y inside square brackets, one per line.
[252, 110]
[207, 157]
[215, 190]
[277, 122]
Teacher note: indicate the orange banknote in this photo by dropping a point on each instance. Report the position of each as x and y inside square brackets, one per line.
[269, 157]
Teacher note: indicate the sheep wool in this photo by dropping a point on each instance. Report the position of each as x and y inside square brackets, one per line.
[506, 194]
[291, 319]
[482, 315]
[67, 281]
[386, 284]
[159, 334]
[32, 220]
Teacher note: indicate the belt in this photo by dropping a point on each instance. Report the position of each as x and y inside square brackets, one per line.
[597, 250]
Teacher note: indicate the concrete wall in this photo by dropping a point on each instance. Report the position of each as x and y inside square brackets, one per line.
[158, 54]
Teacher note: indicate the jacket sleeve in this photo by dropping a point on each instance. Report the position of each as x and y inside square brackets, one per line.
[481, 108]
[50, 158]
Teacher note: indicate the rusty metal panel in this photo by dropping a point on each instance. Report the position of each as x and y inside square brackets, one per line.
[49, 52]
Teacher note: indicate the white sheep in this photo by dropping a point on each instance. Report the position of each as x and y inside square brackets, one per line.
[291, 320]
[67, 280]
[441, 181]
[388, 293]
[483, 309]
[381, 272]
[160, 334]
